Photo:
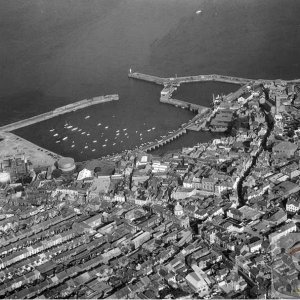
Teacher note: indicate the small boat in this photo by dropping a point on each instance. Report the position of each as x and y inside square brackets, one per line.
[198, 12]
[99, 124]
[105, 140]
[124, 129]
[141, 134]
[51, 129]
[128, 136]
[106, 127]
[153, 128]
[83, 132]
[104, 145]
[94, 141]
[79, 129]
[73, 146]
[118, 133]
[69, 127]
[121, 141]
[86, 117]
[114, 144]
[136, 131]
[65, 138]
[88, 134]
[56, 134]
[118, 130]
[57, 142]
[149, 130]
[94, 150]
[75, 128]
[126, 133]
[86, 146]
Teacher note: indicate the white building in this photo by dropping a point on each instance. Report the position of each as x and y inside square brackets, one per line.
[283, 231]
[85, 173]
[292, 205]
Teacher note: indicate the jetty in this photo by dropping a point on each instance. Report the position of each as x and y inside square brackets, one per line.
[59, 111]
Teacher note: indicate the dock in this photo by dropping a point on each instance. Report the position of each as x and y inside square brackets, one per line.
[59, 111]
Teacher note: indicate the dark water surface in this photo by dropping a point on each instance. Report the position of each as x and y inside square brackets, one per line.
[55, 52]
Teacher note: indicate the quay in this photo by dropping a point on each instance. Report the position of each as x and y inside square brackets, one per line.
[165, 97]
[59, 111]
[187, 79]
[184, 104]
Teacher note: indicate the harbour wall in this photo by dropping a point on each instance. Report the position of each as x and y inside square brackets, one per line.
[59, 111]
[187, 79]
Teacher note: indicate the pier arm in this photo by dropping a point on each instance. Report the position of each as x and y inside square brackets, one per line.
[59, 111]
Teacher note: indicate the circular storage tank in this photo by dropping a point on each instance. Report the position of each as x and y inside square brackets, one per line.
[4, 177]
[66, 164]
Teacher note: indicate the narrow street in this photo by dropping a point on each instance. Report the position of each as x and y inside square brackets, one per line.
[270, 123]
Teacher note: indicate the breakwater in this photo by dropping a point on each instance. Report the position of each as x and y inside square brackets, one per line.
[59, 111]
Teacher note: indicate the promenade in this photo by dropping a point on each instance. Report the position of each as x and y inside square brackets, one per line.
[59, 111]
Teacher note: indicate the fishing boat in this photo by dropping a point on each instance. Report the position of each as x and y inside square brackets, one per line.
[94, 141]
[57, 142]
[88, 134]
[114, 144]
[51, 129]
[83, 132]
[55, 134]
[94, 150]
[105, 140]
[75, 128]
[65, 138]
[106, 127]
[118, 133]
[153, 128]
[86, 117]
[149, 130]
[141, 134]
[86, 146]
[79, 129]
[124, 129]
[72, 146]
[99, 124]
[198, 12]
[104, 145]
